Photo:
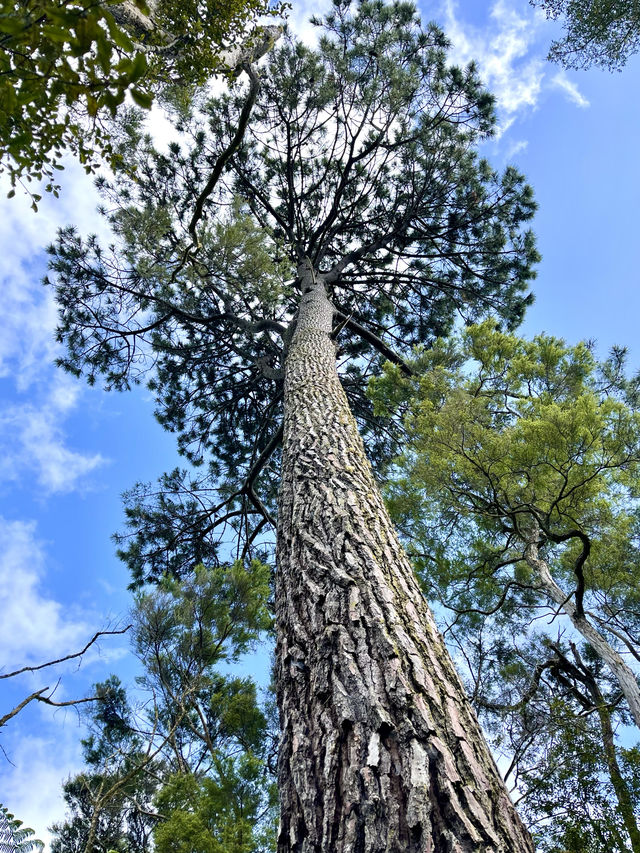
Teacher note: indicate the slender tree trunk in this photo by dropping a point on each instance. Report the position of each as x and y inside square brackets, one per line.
[620, 787]
[625, 675]
[381, 749]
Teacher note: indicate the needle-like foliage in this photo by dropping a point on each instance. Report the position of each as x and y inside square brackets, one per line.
[360, 155]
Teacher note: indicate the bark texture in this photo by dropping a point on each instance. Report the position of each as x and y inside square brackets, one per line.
[381, 749]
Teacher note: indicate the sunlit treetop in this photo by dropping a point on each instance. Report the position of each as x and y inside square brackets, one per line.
[506, 434]
[66, 68]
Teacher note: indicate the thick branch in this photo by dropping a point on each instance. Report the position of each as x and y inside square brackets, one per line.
[20, 706]
[579, 564]
[38, 696]
[375, 341]
[229, 151]
[626, 677]
[528, 694]
[261, 461]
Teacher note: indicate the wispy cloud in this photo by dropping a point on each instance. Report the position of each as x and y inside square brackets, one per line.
[516, 148]
[299, 17]
[34, 626]
[510, 51]
[502, 51]
[561, 81]
[32, 788]
[33, 443]
[33, 440]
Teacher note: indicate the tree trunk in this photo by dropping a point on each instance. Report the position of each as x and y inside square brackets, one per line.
[381, 749]
[623, 796]
[625, 675]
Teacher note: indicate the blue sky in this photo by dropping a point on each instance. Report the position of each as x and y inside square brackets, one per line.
[67, 452]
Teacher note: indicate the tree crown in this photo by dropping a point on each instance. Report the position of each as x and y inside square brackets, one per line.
[358, 155]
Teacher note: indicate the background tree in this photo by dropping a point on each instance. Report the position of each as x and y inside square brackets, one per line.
[358, 165]
[65, 69]
[605, 33]
[188, 759]
[14, 837]
[518, 493]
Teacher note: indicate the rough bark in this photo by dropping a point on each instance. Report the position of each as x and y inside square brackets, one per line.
[624, 674]
[381, 749]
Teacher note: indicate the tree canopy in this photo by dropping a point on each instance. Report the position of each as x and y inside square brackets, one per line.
[181, 762]
[359, 155]
[604, 34]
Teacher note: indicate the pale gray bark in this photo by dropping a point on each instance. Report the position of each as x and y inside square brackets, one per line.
[133, 19]
[381, 749]
[139, 25]
[624, 674]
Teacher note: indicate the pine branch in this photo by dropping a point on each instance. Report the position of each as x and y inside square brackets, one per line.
[375, 341]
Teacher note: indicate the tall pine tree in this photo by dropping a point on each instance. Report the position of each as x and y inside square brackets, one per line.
[363, 222]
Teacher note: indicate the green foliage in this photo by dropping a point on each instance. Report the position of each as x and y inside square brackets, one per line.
[14, 837]
[570, 800]
[201, 393]
[66, 67]
[214, 615]
[504, 431]
[506, 437]
[192, 728]
[604, 33]
[227, 812]
[504, 434]
[203, 30]
[57, 61]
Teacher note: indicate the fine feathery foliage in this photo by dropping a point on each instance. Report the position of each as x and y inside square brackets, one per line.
[185, 764]
[604, 33]
[14, 837]
[65, 69]
[358, 155]
[517, 495]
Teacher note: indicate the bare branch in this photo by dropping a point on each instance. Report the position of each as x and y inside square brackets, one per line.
[95, 637]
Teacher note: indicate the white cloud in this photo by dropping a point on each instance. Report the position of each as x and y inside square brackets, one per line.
[516, 148]
[42, 743]
[561, 81]
[299, 16]
[503, 127]
[502, 52]
[34, 627]
[28, 315]
[510, 52]
[32, 440]
[32, 788]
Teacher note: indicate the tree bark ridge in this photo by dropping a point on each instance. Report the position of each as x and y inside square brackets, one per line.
[381, 749]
